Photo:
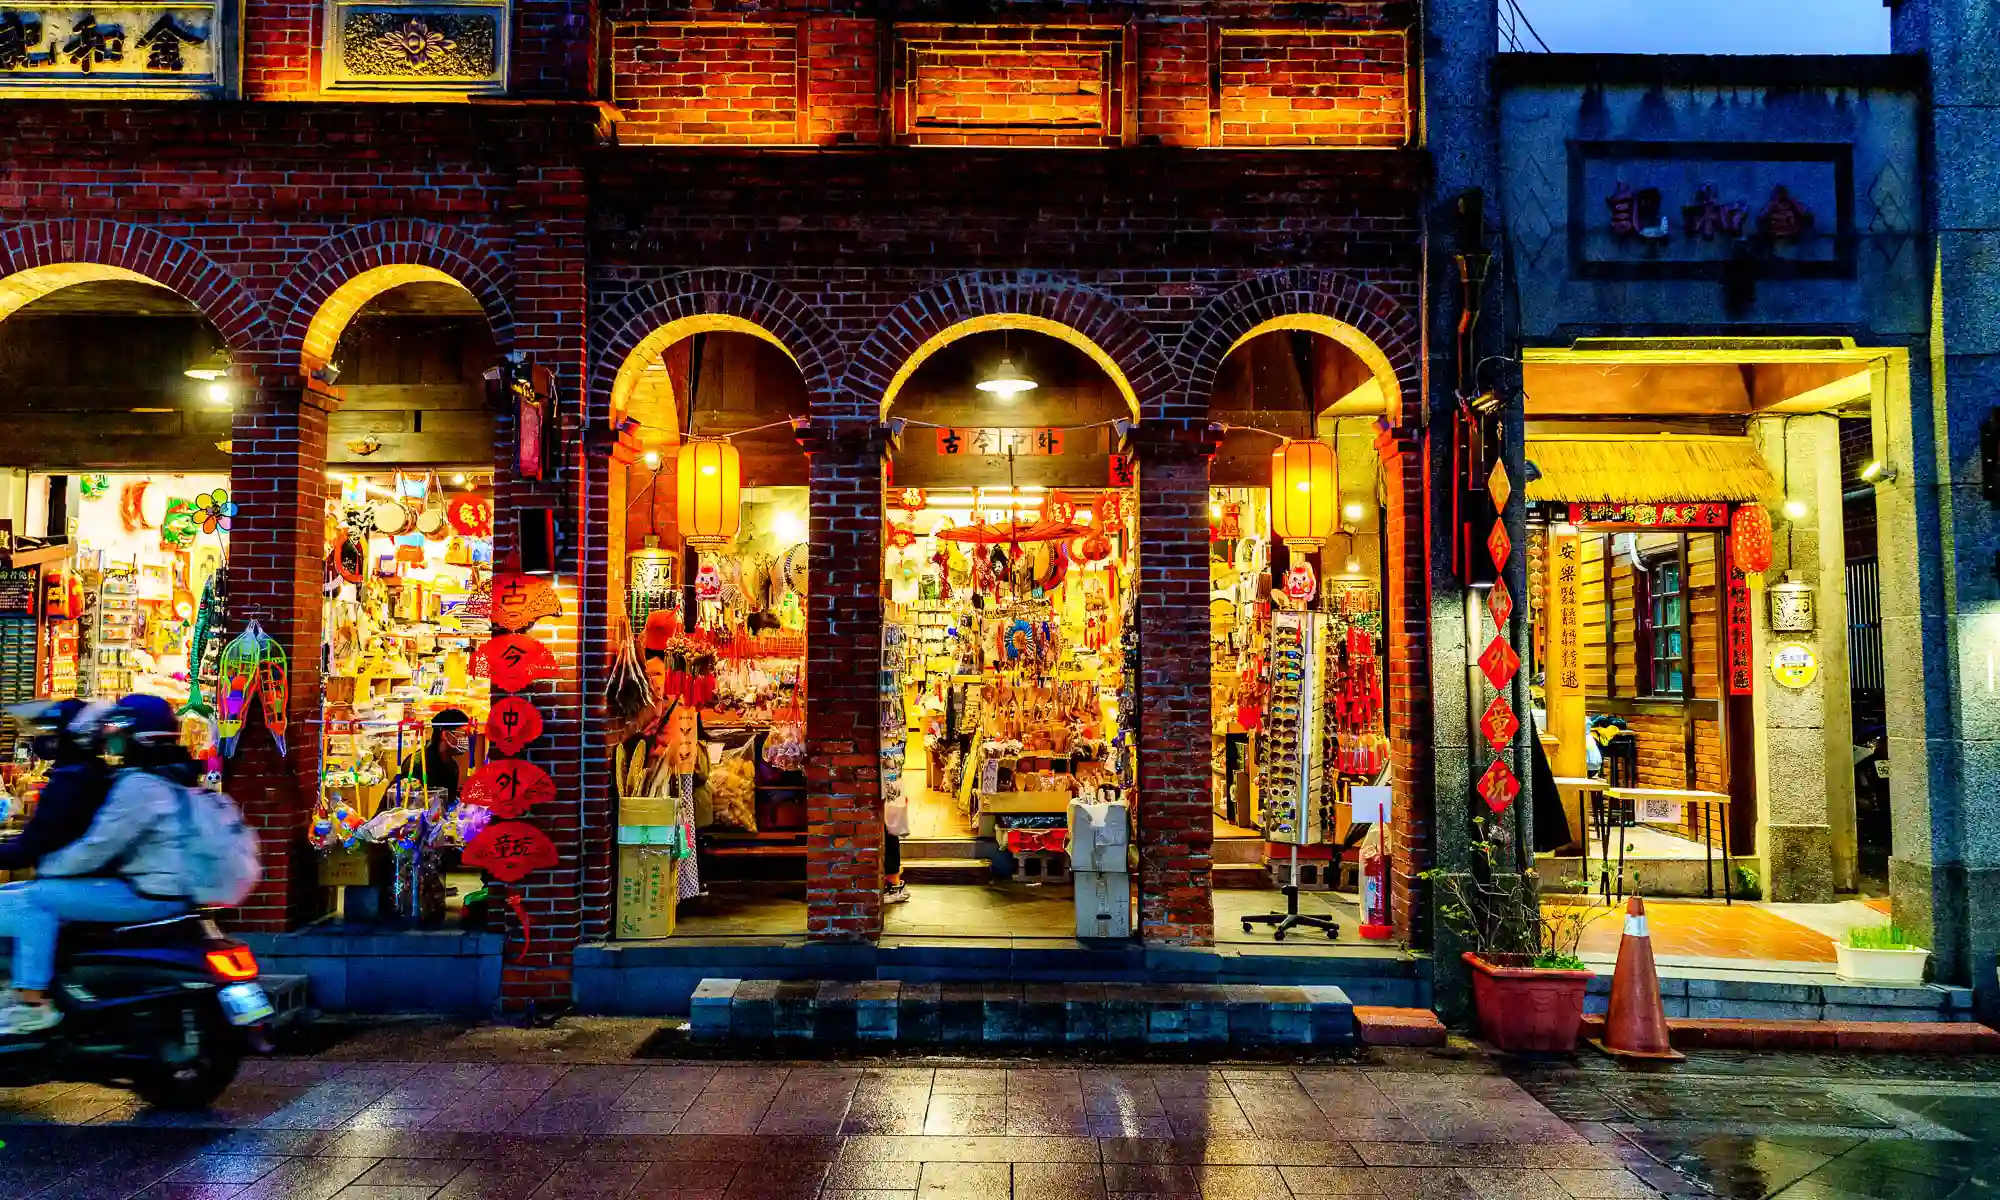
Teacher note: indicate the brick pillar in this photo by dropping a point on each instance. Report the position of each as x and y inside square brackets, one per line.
[1176, 831]
[1406, 622]
[276, 566]
[549, 302]
[843, 702]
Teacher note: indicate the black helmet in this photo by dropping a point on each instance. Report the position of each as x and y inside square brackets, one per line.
[140, 726]
[47, 722]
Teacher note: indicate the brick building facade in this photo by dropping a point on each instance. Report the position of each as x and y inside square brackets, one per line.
[1155, 183]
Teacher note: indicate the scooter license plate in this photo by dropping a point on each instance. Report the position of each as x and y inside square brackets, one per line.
[245, 1004]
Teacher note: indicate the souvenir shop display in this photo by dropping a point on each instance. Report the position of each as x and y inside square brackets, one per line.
[714, 749]
[1239, 612]
[407, 667]
[1007, 627]
[126, 597]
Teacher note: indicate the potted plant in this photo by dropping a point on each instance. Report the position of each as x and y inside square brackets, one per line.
[1527, 982]
[1880, 954]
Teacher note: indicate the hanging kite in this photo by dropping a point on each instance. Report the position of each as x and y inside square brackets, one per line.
[254, 665]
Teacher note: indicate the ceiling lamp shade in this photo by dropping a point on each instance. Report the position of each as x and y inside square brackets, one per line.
[708, 481]
[1305, 493]
[1007, 381]
[215, 366]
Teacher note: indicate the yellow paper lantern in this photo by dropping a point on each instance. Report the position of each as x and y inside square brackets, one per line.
[708, 479]
[1305, 493]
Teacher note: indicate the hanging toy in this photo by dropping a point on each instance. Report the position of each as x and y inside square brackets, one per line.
[253, 665]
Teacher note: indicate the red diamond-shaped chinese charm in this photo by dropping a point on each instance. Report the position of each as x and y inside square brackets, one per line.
[1499, 662]
[1499, 604]
[1498, 787]
[1499, 545]
[1499, 725]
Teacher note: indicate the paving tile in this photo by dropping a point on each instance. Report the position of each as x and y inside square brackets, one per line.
[359, 1192]
[873, 1176]
[430, 1172]
[1420, 1183]
[969, 1180]
[1172, 1178]
[578, 1180]
[315, 1178]
[1599, 1185]
[1058, 1181]
[1511, 1183]
[1239, 1182]
[1331, 1181]
[226, 1168]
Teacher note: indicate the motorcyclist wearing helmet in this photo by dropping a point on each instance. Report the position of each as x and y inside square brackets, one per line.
[63, 734]
[128, 867]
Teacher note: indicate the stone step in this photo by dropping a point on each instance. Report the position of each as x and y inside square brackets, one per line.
[891, 1012]
[1707, 993]
[1238, 850]
[945, 848]
[947, 870]
[1241, 875]
[1380, 1026]
[1904, 1037]
[288, 997]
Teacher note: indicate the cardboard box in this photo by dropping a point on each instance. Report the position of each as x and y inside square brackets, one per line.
[1103, 904]
[648, 892]
[649, 810]
[1099, 835]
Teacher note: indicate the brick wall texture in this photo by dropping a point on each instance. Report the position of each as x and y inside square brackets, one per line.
[581, 227]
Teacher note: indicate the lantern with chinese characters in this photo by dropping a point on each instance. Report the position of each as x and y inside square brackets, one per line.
[1305, 493]
[1750, 539]
[708, 477]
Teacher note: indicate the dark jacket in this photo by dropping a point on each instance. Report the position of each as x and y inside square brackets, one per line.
[69, 803]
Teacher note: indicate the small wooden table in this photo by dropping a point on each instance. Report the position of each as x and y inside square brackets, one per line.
[1711, 805]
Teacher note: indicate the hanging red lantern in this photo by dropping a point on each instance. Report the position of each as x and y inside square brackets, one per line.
[1750, 539]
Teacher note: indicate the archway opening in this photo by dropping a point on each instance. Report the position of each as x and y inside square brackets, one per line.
[709, 621]
[1298, 656]
[1010, 569]
[113, 481]
[408, 543]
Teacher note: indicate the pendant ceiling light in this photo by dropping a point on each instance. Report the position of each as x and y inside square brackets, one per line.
[1007, 381]
[215, 366]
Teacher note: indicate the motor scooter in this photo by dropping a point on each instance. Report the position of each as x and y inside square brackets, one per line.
[167, 1008]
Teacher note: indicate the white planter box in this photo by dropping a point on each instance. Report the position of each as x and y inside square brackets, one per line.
[1880, 966]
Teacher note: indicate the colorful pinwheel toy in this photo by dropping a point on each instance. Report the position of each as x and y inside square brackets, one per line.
[215, 509]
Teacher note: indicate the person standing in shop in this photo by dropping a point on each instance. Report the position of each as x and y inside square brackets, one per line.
[895, 827]
[436, 766]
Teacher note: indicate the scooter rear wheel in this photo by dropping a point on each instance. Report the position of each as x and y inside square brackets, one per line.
[196, 1082]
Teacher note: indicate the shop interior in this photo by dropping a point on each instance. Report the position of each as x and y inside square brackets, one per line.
[1296, 627]
[408, 588]
[712, 560]
[114, 509]
[1705, 605]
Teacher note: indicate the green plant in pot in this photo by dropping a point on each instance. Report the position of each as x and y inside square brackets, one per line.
[1886, 954]
[1527, 982]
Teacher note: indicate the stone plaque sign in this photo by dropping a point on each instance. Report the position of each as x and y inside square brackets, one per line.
[111, 47]
[1697, 210]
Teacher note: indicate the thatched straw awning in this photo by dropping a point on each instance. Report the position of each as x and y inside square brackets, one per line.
[1648, 470]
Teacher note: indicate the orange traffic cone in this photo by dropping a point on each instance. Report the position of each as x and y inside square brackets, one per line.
[1636, 1026]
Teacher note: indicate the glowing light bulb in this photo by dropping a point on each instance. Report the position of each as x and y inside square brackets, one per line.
[1795, 509]
[652, 460]
[708, 468]
[1353, 511]
[1215, 512]
[458, 480]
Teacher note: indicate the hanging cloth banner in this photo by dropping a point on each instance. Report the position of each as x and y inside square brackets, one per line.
[515, 661]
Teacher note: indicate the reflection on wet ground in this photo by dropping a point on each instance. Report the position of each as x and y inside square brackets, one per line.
[1797, 1127]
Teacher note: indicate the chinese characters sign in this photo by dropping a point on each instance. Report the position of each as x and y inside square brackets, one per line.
[171, 48]
[1565, 676]
[1019, 442]
[1705, 515]
[1740, 669]
[1688, 211]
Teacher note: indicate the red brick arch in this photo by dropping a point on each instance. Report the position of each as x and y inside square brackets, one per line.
[1091, 320]
[1360, 315]
[342, 274]
[660, 313]
[43, 256]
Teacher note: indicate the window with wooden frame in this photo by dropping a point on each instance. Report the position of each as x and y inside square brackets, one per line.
[1664, 640]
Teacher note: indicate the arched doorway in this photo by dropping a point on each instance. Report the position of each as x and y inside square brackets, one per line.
[1299, 640]
[709, 575]
[1010, 578]
[408, 538]
[113, 485]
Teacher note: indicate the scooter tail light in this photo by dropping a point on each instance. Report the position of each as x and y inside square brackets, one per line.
[235, 963]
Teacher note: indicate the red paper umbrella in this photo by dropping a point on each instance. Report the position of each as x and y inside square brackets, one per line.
[1750, 539]
[512, 723]
[509, 787]
[521, 600]
[510, 851]
[515, 661]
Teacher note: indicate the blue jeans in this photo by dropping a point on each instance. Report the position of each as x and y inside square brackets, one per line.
[32, 914]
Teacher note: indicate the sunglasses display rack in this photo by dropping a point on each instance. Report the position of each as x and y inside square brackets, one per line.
[1294, 781]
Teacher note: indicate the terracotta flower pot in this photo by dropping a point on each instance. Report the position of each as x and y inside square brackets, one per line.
[1527, 1008]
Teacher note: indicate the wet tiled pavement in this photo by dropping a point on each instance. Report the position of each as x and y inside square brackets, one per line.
[571, 1112]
